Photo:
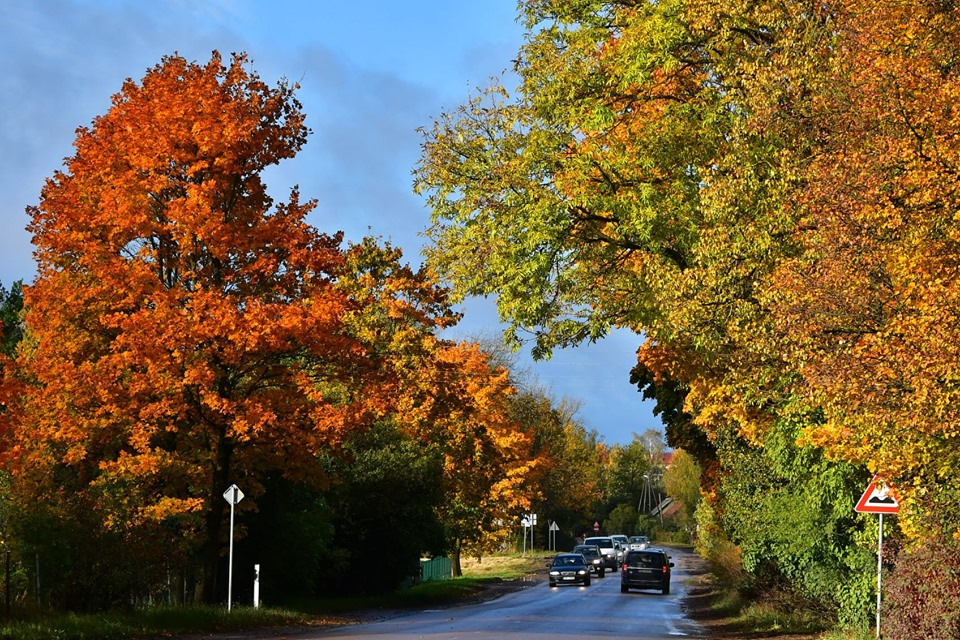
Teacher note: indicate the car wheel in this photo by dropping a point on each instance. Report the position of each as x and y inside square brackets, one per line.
[666, 589]
[603, 572]
[623, 588]
[586, 582]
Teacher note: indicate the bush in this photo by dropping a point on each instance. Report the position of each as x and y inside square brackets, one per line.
[667, 535]
[922, 594]
[712, 544]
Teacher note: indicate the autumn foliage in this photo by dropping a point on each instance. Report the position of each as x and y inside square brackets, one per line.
[766, 193]
[186, 332]
[460, 404]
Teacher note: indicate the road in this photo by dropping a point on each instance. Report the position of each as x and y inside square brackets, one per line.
[599, 611]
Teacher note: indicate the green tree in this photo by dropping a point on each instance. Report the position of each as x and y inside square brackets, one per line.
[385, 499]
[630, 471]
[623, 519]
[681, 481]
[626, 185]
[570, 483]
[790, 511]
[11, 306]
[651, 173]
[291, 537]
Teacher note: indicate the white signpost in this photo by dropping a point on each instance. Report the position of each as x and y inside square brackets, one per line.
[554, 527]
[533, 525]
[528, 521]
[878, 498]
[232, 495]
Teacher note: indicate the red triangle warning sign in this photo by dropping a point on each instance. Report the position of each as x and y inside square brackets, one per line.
[878, 498]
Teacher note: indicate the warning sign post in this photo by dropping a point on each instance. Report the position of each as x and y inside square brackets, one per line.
[879, 498]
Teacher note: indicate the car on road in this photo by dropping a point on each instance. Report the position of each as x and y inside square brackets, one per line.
[594, 558]
[569, 568]
[608, 548]
[623, 542]
[638, 543]
[646, 569]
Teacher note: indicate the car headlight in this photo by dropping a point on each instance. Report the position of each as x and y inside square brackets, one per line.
[582, 572]
[554, 573]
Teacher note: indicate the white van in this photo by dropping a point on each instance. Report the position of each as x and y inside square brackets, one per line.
[608, 548]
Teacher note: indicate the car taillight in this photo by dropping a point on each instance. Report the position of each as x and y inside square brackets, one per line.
[624, 568]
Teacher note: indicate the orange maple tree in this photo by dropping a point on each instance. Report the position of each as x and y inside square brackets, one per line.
[184, 331]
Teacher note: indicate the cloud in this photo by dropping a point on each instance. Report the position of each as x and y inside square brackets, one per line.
[62, 62]
[370, 75]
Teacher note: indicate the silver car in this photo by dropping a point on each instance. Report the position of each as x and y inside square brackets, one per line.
[623, 542]
[639, 543]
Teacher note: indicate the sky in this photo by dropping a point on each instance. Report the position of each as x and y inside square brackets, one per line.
[370, 74]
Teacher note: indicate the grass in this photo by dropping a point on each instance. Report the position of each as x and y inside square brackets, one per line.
[165, 621]
[506, 567]
[768, 614]
[765, 616]
[867, 634]
[155, 621]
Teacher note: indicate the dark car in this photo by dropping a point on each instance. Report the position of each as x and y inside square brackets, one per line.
[608, 548]
[594, 558]
[569, 568]
[646, 569]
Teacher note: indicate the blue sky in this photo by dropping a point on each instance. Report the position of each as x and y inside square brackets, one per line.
[370, 73]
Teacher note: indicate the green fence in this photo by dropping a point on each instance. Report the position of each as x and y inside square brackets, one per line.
[435, 569]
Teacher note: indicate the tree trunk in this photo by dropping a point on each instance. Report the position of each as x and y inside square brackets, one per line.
[455, 559]
[207, 584]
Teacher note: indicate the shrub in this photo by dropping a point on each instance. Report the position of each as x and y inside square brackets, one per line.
[713, 545]
[922, 594]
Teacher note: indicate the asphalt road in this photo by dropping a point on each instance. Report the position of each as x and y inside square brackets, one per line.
[599, 611]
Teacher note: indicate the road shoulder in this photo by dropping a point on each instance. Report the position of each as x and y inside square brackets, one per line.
[699, 604]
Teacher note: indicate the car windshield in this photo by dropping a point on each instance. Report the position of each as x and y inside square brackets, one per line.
[599, 542]
[567, 561]
[588, 551]
[645, 560]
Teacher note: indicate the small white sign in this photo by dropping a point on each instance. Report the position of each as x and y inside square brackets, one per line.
[233, 495]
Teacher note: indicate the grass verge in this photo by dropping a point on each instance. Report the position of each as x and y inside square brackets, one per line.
[165, 622]
[147, 623]
[772, 617]
[727, 614]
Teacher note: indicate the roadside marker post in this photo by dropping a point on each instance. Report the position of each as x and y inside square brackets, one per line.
[256, 586]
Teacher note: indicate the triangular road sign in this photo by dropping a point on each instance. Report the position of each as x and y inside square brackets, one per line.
[878, 498]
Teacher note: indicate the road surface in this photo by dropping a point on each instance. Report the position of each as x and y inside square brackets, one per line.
[599, 611]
